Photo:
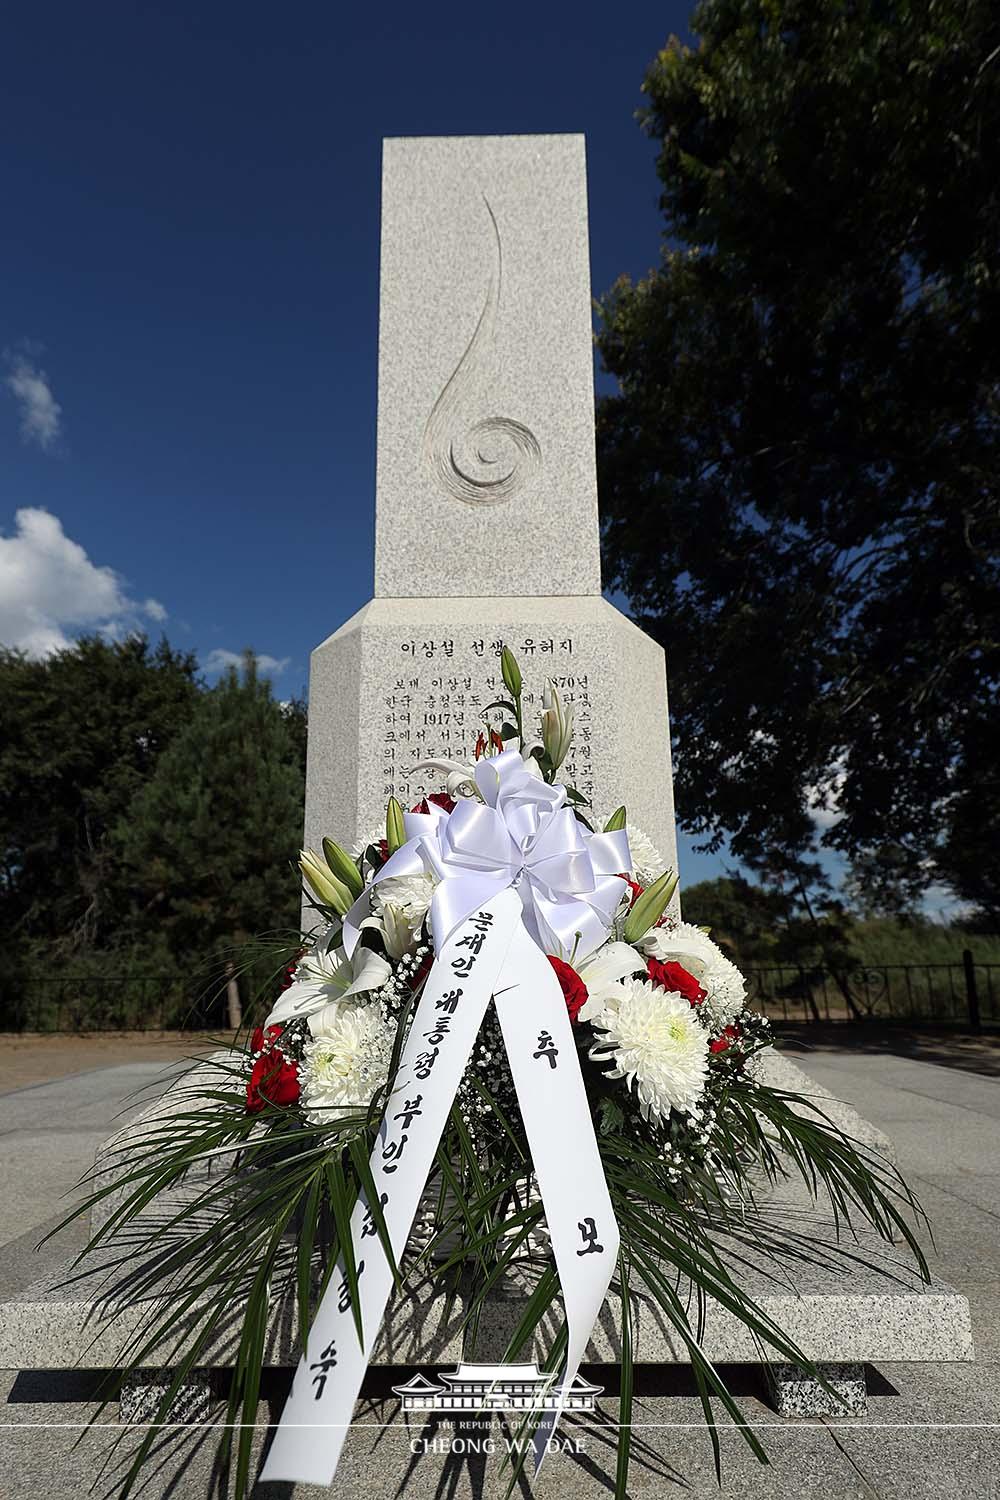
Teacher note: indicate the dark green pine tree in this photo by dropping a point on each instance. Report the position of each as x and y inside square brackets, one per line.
[211, 843]
[80, 733]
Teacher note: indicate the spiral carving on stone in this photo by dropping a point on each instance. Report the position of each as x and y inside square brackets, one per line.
[481, 460]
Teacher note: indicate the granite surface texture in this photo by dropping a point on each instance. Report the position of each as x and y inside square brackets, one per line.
[932, 1431]
[486, 477]
[143, 1392]
[795, 1394]
[844, 1299]
[379, 705]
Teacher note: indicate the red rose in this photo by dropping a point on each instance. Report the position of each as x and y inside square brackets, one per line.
[673, 976]
[725, 1040]
[422, 970]
[262, 1039]
[573, 988]
[440, 799]
[274, 1080]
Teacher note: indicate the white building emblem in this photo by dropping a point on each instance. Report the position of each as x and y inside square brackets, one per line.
[494, 1388]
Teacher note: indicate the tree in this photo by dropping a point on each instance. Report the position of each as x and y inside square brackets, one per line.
[211, 842]
[746, 920]
[80, 733]
[799, 473]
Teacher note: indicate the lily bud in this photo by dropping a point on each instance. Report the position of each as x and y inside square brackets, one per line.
[323, 883]
[343, 866]
[511, 672]
[557, 725]
[395, 833]
[616, 822]
[649, 907]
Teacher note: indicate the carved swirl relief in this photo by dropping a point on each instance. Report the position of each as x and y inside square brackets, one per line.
[481, 460]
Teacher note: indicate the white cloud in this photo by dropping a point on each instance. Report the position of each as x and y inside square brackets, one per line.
[823, 799]
[48, 586]
[41, 413]
[220, 660]
[154, 609]
[942, 905]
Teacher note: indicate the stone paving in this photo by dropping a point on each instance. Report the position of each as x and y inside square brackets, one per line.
[933, 1430]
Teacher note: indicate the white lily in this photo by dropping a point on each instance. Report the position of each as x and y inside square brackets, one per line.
[327, 976]
[460, 780]
[601, 973]
[397, 934]
[557, 724]
[401, 903]
[323, 882]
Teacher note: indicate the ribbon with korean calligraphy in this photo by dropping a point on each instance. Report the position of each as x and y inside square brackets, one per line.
[518, 876]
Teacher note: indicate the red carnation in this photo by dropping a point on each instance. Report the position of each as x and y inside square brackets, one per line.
[673, 976]
[725, 1040]
[274, 1080]
[634, 887]
[573, 988]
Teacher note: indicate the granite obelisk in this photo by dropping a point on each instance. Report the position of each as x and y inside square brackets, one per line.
[486, 497]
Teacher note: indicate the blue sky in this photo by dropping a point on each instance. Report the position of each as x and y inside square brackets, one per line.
[190, 280]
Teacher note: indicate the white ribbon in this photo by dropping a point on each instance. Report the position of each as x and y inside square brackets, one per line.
[518, 876]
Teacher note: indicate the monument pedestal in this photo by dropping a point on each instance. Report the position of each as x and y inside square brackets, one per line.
[407, 680]
[851, 1301]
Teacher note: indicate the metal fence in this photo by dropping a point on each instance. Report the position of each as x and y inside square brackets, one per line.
[73, 1003]
[963, 994]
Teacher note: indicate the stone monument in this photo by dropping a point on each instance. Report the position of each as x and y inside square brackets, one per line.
[486, 499]
[487, 534]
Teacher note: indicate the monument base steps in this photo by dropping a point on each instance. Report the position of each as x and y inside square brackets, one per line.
[844, 1302]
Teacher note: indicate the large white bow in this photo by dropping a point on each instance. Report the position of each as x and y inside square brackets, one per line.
[524, 835]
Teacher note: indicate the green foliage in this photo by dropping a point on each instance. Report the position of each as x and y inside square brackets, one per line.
[887, 940]
[210, 843]
[760, 926]
[83, 736]
[80, 733]
[747, 921]
[799, 470]
[137, 986]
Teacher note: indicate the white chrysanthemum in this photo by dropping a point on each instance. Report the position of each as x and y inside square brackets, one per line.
[647, 861]
[725, 993]
[346, 1060]
[724, 985]
[373, 838]
[656, 1042]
